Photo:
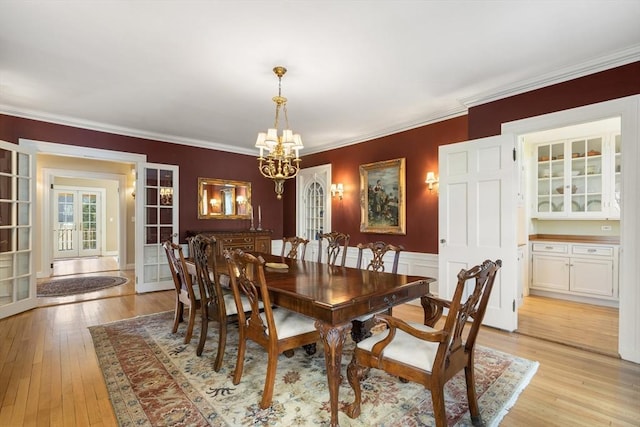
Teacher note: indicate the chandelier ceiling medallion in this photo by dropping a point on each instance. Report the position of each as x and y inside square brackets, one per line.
[282, 160]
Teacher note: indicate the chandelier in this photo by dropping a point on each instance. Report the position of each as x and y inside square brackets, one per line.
[282, 160]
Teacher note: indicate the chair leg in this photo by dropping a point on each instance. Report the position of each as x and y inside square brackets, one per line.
[272, 366]
[204, 329]
[437, 397]
[222, 342]
[192, 321]
[355, 373]
[178, 315]
[242, 342]
[472, 398]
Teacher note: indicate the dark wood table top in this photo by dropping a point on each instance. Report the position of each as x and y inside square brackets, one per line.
[338, 294]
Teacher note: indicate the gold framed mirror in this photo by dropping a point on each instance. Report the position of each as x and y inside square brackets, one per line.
[223, 199]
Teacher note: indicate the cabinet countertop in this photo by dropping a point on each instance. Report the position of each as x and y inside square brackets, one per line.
[611, 240]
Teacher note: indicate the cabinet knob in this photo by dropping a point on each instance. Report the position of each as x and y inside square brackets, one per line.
[443, 241]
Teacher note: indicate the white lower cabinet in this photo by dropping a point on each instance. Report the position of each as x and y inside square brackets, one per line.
[575, 269]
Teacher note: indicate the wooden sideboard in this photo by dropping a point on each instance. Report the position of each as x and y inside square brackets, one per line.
[254, 241]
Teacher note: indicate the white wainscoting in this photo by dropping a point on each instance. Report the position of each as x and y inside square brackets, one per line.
[411, 263]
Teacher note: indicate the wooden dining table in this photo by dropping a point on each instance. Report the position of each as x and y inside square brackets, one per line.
[335, 296]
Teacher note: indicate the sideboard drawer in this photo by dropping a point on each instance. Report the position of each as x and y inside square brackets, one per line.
[250, 241]
[558, 248]
[592, 250]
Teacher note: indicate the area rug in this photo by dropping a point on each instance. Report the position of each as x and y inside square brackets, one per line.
[77, 285]
[154, 379]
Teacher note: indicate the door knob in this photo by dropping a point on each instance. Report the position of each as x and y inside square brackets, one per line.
[443, 241]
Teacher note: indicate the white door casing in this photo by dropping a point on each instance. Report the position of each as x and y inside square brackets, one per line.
[477, 219]
[628, 109]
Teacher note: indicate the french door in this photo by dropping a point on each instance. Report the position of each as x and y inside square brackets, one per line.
[77, 222]
[477, 211]
[157, 222]
[17, 196]
[313, 205]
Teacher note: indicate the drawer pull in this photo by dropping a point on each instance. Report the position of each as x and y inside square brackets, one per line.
[548, 247]
[390, 302]
[591, 250]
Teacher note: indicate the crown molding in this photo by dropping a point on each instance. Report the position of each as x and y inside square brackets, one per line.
[103, 127]
[616, 59]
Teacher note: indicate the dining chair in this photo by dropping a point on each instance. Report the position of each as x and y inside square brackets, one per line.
[276, 330]
[337, 242]
[361, 326]
[295, 245]
[186, 295]
[216, 294]
[419, 353]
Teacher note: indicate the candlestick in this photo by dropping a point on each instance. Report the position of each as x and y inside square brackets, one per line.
[251, 211]
[259, 218]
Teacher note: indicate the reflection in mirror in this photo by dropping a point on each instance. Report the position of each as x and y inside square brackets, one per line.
[223, 199]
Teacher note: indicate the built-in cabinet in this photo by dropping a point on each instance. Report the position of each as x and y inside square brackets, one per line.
[575, 269]
[578, 178]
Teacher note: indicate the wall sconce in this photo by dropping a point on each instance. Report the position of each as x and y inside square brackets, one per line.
[337, 189]
[431, 180]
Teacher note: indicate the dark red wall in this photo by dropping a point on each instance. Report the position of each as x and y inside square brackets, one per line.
[193, 162]
[486, 119]
[420, 149]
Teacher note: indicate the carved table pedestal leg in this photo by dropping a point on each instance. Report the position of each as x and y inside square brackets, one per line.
[333, 337]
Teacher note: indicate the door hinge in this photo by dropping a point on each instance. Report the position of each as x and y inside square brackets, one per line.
[514, 306]
[52, 186]
[514, 154]
[51, 265]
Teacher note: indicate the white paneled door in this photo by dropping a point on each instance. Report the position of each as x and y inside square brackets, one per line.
[477, 219]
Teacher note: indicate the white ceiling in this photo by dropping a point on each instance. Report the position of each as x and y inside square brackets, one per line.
[199, 72]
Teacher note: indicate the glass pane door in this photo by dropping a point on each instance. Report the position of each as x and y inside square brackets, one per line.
[157, 206]
[17, 189]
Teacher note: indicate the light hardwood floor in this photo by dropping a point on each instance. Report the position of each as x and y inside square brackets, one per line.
[587, 326]
[49, 373]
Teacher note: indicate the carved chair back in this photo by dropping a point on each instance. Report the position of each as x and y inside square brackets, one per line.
[294, 243]
[378, 250]
[337, 242]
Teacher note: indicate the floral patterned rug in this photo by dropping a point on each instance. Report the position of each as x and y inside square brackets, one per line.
[154, 379]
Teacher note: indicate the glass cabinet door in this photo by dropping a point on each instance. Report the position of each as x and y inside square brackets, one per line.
[586, 175]
[578, 178]
[550, 177]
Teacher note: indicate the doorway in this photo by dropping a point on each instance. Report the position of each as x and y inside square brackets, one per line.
[565, 319]
[78, 222]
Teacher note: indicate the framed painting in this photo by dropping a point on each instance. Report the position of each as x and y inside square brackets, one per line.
[382, 197]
